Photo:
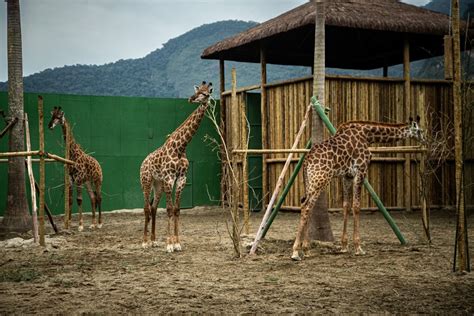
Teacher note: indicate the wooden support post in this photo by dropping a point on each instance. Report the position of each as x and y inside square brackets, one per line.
[42, 175]
[67, 183]
[407, 107]
[461, 262]
[236, 182]
[29, 165]
[222, 127]
[264, 118]
[245, 179]
[448, 57]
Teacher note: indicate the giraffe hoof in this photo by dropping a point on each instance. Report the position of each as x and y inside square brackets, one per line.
[295, 256]
[359, 252]
[154, 244]
[169, 248]
[99, 226]
[92, 226]
[146, 244]
[81, 228]
[344, 250]
[177, 247]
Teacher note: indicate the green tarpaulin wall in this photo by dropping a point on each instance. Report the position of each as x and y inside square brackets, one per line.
[119, 132]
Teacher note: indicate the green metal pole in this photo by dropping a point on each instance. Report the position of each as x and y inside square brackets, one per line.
[375, 198]
[283, 195]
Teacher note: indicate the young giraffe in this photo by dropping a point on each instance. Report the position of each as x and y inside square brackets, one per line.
[86, 170]
[166, 166]
[347, 155]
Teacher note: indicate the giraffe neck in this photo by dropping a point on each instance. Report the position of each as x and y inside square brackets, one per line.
[185, 132]
[67, 128]
[385, 133]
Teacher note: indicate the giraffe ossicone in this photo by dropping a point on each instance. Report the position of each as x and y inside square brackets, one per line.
[166, 168]
[346, 154]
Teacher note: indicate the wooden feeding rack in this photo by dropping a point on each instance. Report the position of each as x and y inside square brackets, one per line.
[42, 159]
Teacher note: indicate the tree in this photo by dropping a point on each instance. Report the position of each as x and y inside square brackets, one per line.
[319, 225]
[17, 217]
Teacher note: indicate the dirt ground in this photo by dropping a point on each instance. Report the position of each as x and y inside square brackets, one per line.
[107, 272]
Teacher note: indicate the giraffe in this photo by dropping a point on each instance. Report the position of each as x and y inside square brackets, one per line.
[86, 170]
[166, 167]
[346, 155]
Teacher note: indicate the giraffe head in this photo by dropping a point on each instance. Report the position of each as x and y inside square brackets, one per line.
[57, 117]
[414, 130]
[202, 93]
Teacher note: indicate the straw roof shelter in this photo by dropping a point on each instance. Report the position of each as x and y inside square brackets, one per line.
[360, 34]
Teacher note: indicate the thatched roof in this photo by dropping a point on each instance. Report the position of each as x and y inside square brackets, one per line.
[360, 34]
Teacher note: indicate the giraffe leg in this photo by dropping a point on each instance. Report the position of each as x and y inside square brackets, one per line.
[79, 205]
[356, 212]
[93, 203]
[180, 183]
[69, 214]
[168, 188]
[346, 205]
[98, 198]
[156, 200]
[305, 209]
[146, 186]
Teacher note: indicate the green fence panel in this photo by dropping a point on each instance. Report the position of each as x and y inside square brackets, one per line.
[119, 132]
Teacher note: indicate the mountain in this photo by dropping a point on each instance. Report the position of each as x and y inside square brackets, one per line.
[170, 71]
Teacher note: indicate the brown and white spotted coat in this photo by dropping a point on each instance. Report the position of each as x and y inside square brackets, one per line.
[347, 155]
[86, 170]
[168, 165]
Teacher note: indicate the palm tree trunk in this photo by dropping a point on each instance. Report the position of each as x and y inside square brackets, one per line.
[319, 224]
[17, 217]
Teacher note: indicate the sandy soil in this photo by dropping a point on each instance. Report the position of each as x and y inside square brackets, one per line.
[107, 271]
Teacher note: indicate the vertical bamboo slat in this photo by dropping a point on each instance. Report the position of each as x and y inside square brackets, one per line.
[42, 172]
[407, 107]
[34, 207]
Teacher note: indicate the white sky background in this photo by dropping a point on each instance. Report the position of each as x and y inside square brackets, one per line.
[68, 32]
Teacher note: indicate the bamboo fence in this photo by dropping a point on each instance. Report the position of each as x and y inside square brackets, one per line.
[394, 171]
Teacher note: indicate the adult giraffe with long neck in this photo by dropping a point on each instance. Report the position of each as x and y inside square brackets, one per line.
[86, 170]
[166, 168]
[347, 155]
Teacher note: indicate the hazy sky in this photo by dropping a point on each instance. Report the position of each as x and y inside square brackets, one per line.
[67, 32]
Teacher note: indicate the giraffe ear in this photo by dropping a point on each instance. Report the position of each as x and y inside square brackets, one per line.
[211, 89]
[196, 89]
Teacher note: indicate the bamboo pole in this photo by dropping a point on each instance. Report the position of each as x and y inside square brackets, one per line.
[461, 249]
[20, 153]
[34, 207]
[60, 159]
[375, 150]
[9, 125]
[278, 186]
[67, 182]
[245, 178]
[264, 119]
[42, 173]
[35, 160]
[407, 107]
[284, 193]
[222, 126]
